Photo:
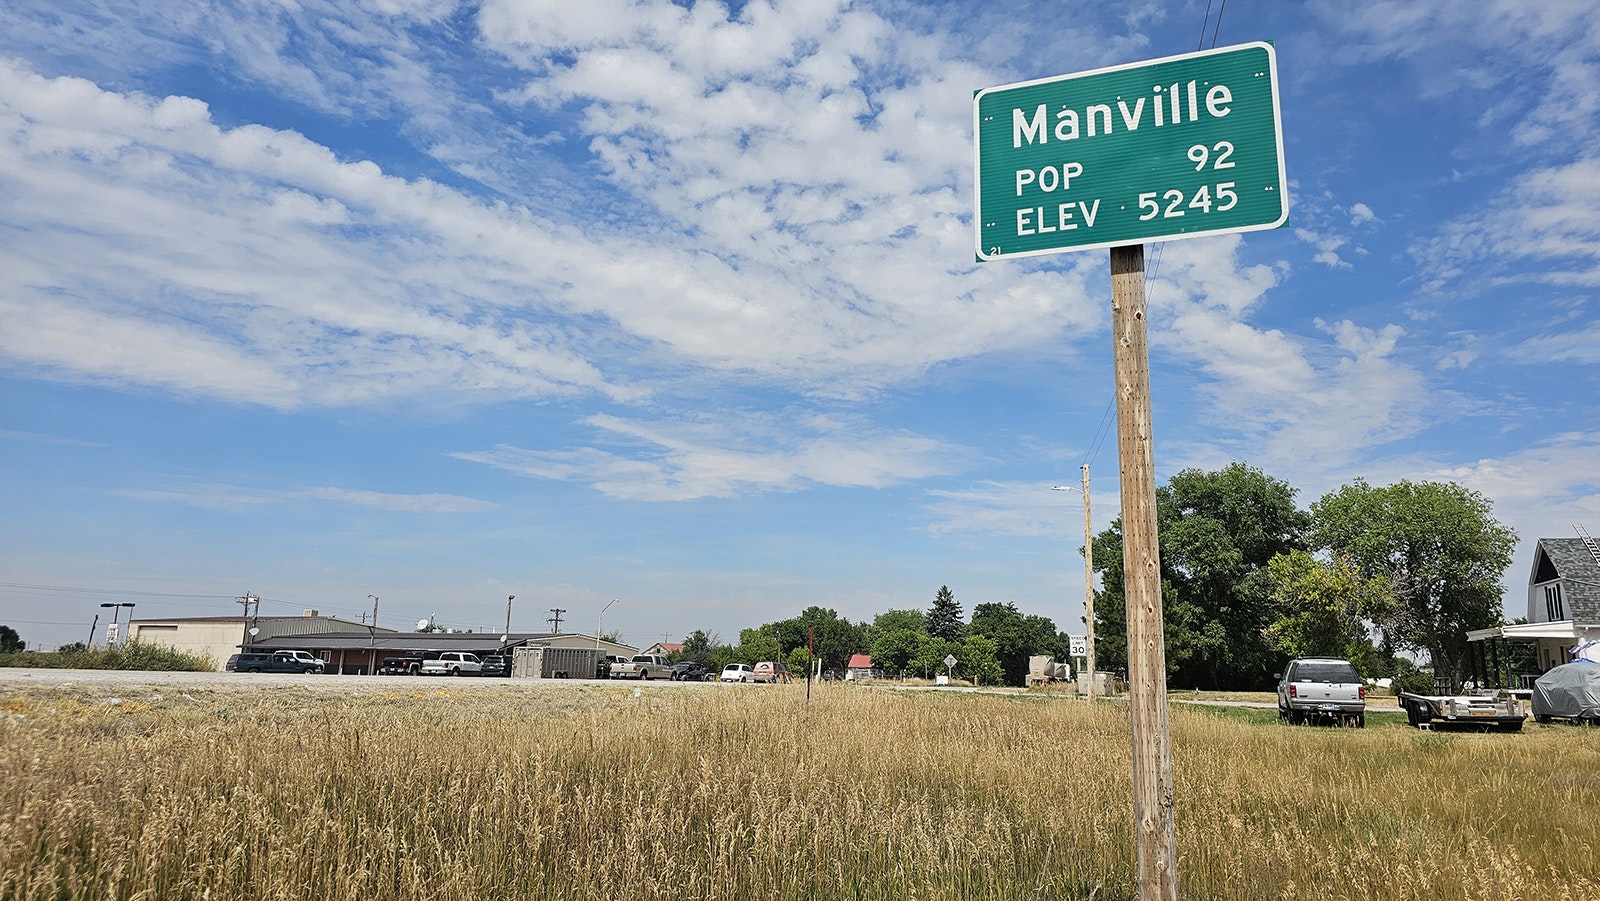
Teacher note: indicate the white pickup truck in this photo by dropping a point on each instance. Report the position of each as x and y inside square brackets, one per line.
[643, 666]
[1322, 687]
[453, 663]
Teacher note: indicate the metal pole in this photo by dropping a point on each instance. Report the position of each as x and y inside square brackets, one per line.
[509, 599]
[1141, 561]
[91, 631]
[1088, 581]
[372, 639]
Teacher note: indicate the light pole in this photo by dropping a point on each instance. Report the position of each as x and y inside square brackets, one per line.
[1088, 578]
[506, 636]
[597, 619]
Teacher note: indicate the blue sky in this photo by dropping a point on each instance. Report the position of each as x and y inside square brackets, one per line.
[677, 304]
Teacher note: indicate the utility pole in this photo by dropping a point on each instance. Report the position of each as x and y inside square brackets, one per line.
[1088, 575]
[555, 618]
[506, 635]
[1154, 827]
[372, 635]
[246, 601]
[92, 626]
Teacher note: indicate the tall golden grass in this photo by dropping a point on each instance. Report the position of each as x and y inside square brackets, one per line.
[588, 792]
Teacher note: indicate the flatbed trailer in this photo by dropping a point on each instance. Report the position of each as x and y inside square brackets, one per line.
[1497, 711]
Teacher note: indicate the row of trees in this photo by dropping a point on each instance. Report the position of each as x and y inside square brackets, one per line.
[1377, 575]
[992, 649]
[1371, 574]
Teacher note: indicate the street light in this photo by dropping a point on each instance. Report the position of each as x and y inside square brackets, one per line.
[506, 636]
[597, 619]
[1088, 577]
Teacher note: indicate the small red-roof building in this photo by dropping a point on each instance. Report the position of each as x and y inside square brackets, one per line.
[860, 667]
[664, 648]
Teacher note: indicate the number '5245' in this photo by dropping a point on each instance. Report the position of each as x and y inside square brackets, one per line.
[1202, 200]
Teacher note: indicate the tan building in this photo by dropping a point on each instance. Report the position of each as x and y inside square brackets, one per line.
[219, 637]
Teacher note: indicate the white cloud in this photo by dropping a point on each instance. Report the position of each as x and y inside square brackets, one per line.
[217, 495]
[1540, 228]
[749, 454]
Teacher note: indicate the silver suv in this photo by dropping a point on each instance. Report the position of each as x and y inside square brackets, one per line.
[1322, 688]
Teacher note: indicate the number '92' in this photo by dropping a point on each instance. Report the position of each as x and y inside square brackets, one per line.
[1202, 200]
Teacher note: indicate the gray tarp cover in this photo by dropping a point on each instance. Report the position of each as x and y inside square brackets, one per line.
[1569, 690]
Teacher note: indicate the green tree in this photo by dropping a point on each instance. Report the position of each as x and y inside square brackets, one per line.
[976, 662]
[1441, 552]
[756, 645]
[1324, 607]
[836, 637]
[697, 646]
[10, 641]
[929, 659]
[799, 663]
[944, 617]
[894, 650]
[1218, 532]
[1016, 637]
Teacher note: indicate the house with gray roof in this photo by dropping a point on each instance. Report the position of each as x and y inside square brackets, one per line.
[1563, 619]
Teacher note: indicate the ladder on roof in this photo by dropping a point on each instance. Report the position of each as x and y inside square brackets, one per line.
[1588, 542]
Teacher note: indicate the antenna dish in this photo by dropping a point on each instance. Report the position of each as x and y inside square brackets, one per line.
[254, 631]
[422, 624]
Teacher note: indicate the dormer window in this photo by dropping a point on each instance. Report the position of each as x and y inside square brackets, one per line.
[1552, 603]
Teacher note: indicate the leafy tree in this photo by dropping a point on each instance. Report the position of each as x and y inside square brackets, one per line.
[1016, 637]
[912, 620]
[1324, 607]
[756, 645]
[697, 646]
[929, 659]
[976, 662]
[944, 617]
[894, 650]
[10, 641]
[1440, 550]
[1218, 531]
[836, 637]
[74, 647]
[799, 663]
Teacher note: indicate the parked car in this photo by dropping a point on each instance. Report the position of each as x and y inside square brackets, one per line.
[453, 663]
[393, 666]
[412, 662]
[496, 665]
[772, 672]
[688, 671]
[275, 662]
[607, 667]
[642, 667]
[738, 672]
[1322, 688]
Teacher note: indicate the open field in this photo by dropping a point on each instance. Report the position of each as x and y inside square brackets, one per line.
[464, 789]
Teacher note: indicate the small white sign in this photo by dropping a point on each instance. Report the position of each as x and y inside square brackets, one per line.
[1078, 645]
[949, 660]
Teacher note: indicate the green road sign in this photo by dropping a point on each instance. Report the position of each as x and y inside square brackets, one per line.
[1170, 148]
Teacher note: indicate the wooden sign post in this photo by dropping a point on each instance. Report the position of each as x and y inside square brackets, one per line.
[1154, 827]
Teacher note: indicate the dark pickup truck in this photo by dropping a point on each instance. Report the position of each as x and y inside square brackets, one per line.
[276, 662]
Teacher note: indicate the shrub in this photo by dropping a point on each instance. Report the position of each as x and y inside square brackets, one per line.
[134, 655]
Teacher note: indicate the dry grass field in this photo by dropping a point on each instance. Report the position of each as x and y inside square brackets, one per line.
[455, 792]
